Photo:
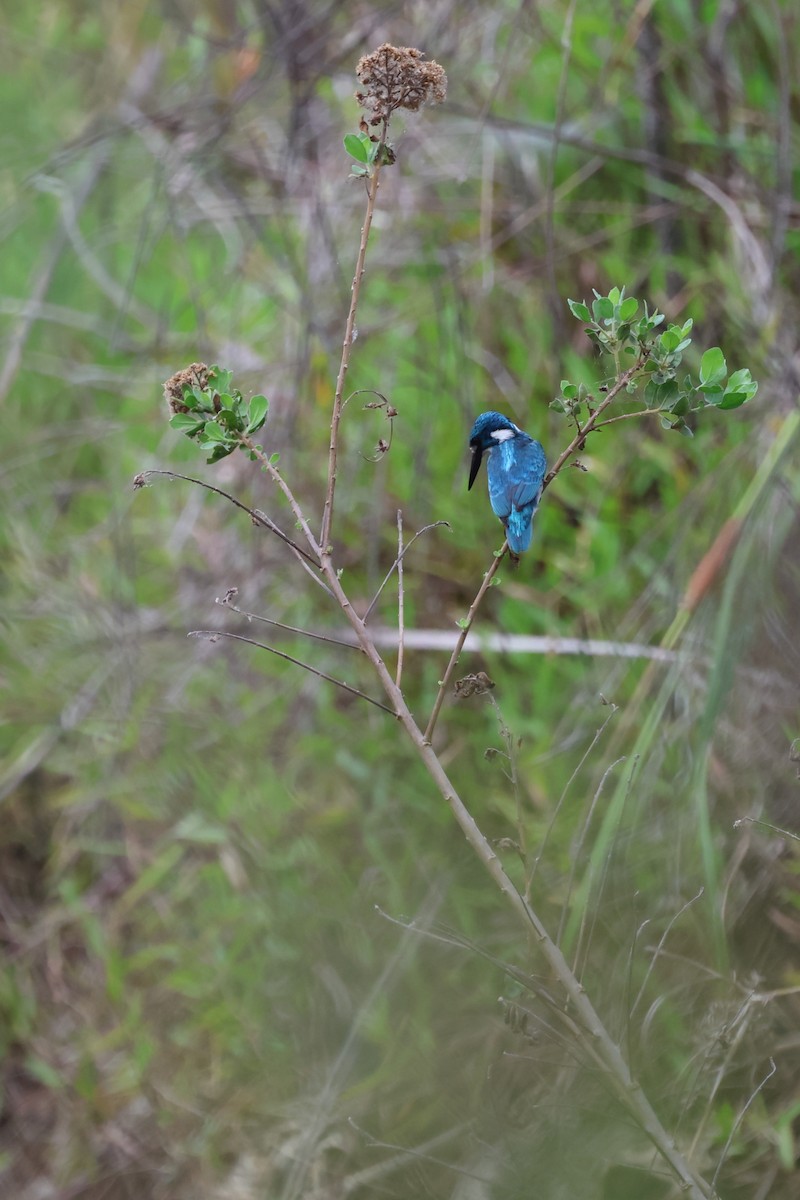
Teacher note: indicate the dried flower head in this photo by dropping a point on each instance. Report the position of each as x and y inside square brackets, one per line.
[395, 77]
[195, 375]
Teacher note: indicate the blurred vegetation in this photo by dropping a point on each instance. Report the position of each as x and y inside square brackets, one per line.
[208, 857]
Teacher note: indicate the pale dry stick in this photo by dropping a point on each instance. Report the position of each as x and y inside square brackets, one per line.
[347, 345]
[212, 635]
[521, 643]
[400, 599]
[465, 628]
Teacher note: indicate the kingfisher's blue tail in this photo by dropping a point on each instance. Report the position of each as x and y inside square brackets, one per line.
[519, 528]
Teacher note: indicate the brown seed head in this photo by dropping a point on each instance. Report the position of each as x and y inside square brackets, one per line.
[395, 77]
[195, 375]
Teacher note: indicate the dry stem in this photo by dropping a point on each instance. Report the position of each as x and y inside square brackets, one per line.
[347, 345]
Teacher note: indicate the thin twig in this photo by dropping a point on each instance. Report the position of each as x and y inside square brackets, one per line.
[643, 412]
[660, 947]
[212, 634]
[256, 515]
[735, 1127]
[276, 477]
[400, 598]
[465, 628]
[394, 565]
[347, 345]
[317, 637]
[577, 442]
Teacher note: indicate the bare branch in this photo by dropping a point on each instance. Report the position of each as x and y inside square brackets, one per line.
[465, 628]
[317, 637]
[256, 515]
[347, 345]
[276, 477]
[578, 441]
[213, 634]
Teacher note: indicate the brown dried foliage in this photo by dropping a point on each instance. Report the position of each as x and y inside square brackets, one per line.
[195, 375]
[395, 77]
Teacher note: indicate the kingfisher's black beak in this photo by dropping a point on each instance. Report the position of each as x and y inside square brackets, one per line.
[477, 454]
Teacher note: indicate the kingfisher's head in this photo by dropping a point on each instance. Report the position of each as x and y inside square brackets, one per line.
[489, 430]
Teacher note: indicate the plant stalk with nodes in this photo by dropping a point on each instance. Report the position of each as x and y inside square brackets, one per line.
[209, 410]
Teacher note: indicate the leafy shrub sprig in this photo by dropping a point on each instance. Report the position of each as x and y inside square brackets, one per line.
[618, 328]
[213, 414]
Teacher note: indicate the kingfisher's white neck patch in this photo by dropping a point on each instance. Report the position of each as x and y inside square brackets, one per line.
[502, 435]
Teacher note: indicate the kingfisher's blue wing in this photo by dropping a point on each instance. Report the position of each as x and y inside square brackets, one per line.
[516, 472]
[526, 474]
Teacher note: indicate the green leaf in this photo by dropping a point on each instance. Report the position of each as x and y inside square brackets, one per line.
[189, 398]
[740, 388]
[603, 309]
[578, 310]
[568, 390]
[257, 413]
[219, 378]
[214, 433]
[463, 623]
[615, 295]
[185, 422]
[273, 458]
[628, 308]
[713, 368]
[220, 451]
[356, 148]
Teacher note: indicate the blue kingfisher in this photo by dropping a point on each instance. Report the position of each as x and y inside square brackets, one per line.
[516, 471]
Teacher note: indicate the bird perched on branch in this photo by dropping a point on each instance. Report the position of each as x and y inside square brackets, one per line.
[516, 471]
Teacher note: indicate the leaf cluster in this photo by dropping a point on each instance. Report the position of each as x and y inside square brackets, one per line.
[625, 328]
[218, 416]
[368, 153]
